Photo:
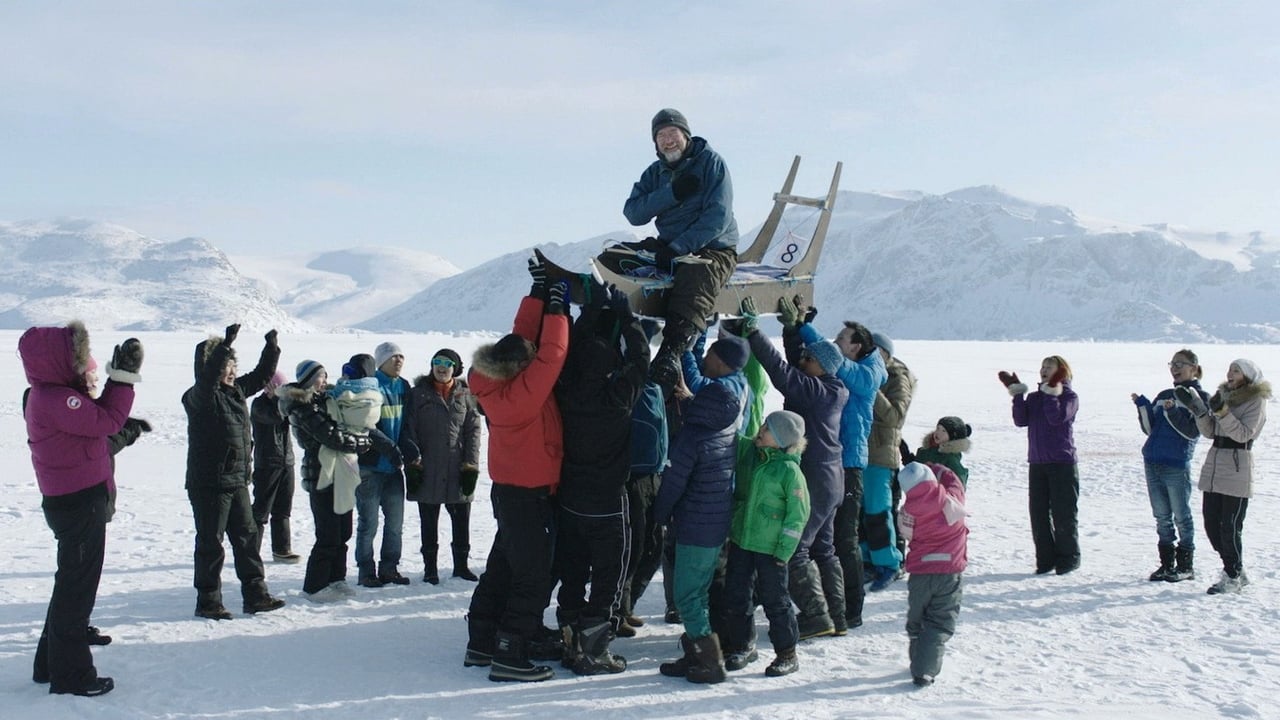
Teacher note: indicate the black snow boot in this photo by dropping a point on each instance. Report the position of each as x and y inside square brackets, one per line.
[282, 542]
[1166, 571]
[1185, 569]
[833, 589]
[708, 667]
[806, 590]
[595, 658]
[511, 661]
[460, 569]
[785, 664]
[677, 336]
[572, 649]
[481, 637]
[680, 667]
[736, 659]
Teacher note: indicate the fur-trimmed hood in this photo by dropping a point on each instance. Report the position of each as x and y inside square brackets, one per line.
[55, 355]
[204, 351]
[1244, 393]
[486, 364]
[951, 446]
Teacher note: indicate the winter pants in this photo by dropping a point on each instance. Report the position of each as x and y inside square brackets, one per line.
[1054, 495]
[933, 606]
[817, 540]
[515, 588]
[1224, 524]
[460, 524]
[225, 512]
[695, 568]
[753, 577]
[328, 560]
[694, 287]
[882, 549]
[79, 523]
[273, 502]
[848, 550]
[379, 492]
[646, 540]
[591, 549]
[1169, 488]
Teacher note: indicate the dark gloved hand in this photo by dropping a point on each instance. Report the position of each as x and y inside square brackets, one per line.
[1216, 403]
[127, 356]
[810, 314]
[137, 424]
[732, 326]
[788, 313]
[538, 272]
[468, 476]
[1057, 377]
[1008, 378]
[1191, 400]
[750, 316]
[597, 291]
[904, 452]
[272, 337]
[620, 303]
[557, 294]
[685, 185]
[232, 331]
[358, 444]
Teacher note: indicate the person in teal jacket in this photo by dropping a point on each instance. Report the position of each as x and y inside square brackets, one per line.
[770, 510]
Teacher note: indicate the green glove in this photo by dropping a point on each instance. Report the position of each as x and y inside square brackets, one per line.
[788, 313]
[468, 476]
[750, 317]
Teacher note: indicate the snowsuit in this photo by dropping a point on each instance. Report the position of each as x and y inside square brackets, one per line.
[771, 508]
[273, 480]
[525, 454]
[815, 576]
[1054, 482]
[314, 429]
[219, 443]
[67, 434]
[932, 520]
[446, 429]
[596, 391]
[696, 497]
[1227, 475]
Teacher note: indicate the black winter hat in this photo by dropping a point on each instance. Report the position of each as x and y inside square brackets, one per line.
[955, 427]
[359, 366]
[455, 357]
[670, 116]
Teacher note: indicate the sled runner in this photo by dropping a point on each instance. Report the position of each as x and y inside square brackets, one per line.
[767, 270]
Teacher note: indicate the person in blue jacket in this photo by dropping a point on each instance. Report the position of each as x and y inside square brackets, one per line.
[688, 196]
[696, 500]
[862, 371]
[1171, 440]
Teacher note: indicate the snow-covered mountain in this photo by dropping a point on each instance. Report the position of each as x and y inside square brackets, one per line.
[114, 278]
[343, 288]
[976, 263]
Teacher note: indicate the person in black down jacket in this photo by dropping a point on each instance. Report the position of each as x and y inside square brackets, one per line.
[219, 439]
[596, 391]
[273, 470]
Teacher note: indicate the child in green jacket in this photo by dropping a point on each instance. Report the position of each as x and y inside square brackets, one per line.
[770, 509]
[945, 446]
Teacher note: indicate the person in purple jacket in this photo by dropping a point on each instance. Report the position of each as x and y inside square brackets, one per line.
[67, 431]
[1048, 414]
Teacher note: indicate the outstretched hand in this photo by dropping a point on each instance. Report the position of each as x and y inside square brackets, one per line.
[750, 317]
[538, 271]
[788, 312]
[232, 331]
[272, 337]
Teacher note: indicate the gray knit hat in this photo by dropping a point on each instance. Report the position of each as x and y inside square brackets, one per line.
[670, 116]
[786, 427]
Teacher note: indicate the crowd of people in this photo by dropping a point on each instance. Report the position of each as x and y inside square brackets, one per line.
[606, 465]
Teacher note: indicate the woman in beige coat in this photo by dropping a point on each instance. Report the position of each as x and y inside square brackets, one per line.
[1233, 418]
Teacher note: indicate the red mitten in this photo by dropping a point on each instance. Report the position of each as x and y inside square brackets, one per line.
[1008, 378]
[1057, 377]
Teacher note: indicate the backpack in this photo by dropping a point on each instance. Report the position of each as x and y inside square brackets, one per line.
[649, 431]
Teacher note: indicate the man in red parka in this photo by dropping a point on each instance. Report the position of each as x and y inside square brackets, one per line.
[512, 380]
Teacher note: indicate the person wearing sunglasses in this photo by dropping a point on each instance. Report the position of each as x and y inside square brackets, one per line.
[446, 429]
[1166, 457]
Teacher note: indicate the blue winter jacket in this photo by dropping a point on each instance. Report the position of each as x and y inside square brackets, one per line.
[1171, 434]
[863, 379]
[704, 220]
[395, 407]
[696, 495]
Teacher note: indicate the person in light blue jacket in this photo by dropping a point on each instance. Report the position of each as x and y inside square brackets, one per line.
[863, 372]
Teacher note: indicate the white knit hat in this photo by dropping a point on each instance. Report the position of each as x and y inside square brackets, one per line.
[385, 351]
[912, 474]
[1249, 369]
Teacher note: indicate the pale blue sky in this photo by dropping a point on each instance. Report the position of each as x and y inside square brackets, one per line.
[471, 129]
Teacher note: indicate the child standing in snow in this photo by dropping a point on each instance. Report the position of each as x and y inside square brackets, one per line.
[946, 445]
[770, 509]
[932, 521]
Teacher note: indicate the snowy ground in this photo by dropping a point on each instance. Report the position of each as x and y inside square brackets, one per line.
[1099, 642]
